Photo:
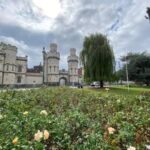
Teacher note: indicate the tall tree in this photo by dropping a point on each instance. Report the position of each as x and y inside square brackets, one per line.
[148, 13]
[138, 67]
[97, 58]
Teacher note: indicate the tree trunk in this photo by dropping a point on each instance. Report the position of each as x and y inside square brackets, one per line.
[147, 83]
[101, 84]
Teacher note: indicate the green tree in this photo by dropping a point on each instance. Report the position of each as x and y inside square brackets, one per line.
[138, 67]
[148, 13]
[97, 58]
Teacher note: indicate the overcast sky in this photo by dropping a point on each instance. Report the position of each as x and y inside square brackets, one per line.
[32, 24]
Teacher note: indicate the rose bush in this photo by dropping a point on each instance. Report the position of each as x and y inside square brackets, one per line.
[62, 118]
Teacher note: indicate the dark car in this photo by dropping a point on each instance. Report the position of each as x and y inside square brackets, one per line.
[79, 85]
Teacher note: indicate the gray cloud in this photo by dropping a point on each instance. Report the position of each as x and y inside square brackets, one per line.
[122, 21]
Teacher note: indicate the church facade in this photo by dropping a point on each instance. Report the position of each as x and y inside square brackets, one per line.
[14, 70]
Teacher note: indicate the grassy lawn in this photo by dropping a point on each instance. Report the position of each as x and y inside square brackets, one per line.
[64, 118]
[120, 90]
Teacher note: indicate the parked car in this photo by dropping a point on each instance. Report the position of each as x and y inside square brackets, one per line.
[80, 85]
[95, 84]
[77, 85]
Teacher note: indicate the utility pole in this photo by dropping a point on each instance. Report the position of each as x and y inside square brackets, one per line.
[120, 69]
[4, 56]
[43, 63]
[127, 75]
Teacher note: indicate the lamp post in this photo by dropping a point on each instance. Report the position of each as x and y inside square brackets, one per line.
[119, 66]
[43, 63]
[127, 75]
[4, 55]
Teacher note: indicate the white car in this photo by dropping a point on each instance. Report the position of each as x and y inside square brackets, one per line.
[95, 84]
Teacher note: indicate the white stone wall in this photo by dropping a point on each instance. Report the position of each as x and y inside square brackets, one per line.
[1, 68]
[10, 56]
[9, 78]
[74, 78]
[53, 78]
[22, 73]
[8, 62]
[22, 63]
[34, 78]
[73, 66]
[53, 66]
[0, 78]
[1, 62]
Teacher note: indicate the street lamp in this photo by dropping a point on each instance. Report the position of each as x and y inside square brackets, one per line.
[127, 75]
[43, 64]
[4, 55]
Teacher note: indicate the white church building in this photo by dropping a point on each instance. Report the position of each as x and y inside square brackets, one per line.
[14, 70]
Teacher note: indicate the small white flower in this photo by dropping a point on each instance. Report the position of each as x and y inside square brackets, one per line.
[107, 89]
[15, 140]
[38, 135]
[46, 134]
[1, 116]
[118, 101]
[25, 113]
[50, 122]
[111, 130]
[44, 112]
[140, 97]
[131, 148]
[148, 147]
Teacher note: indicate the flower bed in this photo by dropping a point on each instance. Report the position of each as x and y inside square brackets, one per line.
[62, 118]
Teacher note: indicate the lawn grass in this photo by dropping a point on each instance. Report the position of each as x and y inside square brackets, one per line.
[123, 91]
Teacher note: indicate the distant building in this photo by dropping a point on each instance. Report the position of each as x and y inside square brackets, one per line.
[35, 69]
[14, 71]
[52, 74]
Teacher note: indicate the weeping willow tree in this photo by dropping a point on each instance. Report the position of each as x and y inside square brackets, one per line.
[97, 58]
